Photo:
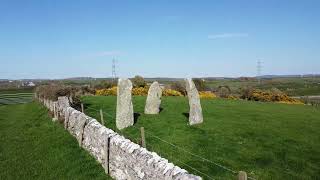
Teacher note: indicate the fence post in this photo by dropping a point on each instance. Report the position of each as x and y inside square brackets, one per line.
[143, 138]
[55, 118]
[101, 117]
[242, 175]
[82, 109]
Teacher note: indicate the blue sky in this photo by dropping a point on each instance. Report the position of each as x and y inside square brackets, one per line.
[185, 38]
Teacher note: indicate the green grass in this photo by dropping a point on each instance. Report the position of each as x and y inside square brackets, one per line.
[269, 141]
[291, 86]
[16, 90]
[33, 147]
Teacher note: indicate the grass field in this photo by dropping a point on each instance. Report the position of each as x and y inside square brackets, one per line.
[291, 86]
[33, 147]
[17, 98]
[268, 141]
[16, 90]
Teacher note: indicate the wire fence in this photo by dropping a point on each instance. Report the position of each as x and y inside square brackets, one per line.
[151, 135]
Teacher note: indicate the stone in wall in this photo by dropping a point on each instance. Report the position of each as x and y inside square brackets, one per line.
[95, 140]
[63, 103]
[124, 159]
[195, 113]
[124, 117]
[76, 123]
[154, 99]
[67, 114]
[72, 120]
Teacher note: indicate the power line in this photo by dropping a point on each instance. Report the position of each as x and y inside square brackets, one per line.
[259, 69]
[114, 74]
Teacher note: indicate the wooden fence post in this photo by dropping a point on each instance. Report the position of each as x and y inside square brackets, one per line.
[101, 117]
[242, 175]
[82, 109]
[143, 138]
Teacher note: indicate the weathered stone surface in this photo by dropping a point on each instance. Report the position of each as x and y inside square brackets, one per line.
[154, 99]
[195, 113]
[67, 114]
[81, 122]
[124, 117]
[75, 122]
[95, 140]
[72, 121]
[63, 103]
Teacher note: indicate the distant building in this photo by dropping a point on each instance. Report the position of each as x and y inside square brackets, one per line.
[31, 84]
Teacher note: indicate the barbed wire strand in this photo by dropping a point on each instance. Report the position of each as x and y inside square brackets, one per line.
[183, 163]
[204, 159]
[200, 157]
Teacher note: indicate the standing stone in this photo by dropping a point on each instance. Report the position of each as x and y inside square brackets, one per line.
[124, 117]
[195, 114]
[154, 99]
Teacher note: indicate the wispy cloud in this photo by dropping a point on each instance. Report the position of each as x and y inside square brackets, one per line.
[107, 53]
[227, 35]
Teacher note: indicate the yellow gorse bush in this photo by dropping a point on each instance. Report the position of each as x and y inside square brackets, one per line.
[291, 102]
[140, 91]
[107, 92]
[232, 97]
[267, 96]
[207, 95]
[171, 92]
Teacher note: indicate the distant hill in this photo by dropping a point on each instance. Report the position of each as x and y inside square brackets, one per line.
[170, 78]
[290, 76]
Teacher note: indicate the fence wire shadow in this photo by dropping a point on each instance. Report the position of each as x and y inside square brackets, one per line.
[125, 134]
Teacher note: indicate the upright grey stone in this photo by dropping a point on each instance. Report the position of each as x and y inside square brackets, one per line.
[154, 99]
[195, 114]
[124, 117]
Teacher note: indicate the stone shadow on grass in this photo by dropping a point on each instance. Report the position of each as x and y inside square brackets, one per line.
[186, 115]
[135, 117]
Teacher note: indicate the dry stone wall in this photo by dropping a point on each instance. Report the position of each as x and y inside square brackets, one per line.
[121, 158]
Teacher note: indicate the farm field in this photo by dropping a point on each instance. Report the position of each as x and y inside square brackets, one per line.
[16, 90]
[33, 147]
[267, 140]
[292, 86]
[17, 98]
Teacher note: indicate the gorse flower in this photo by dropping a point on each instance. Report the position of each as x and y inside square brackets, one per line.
[207, 95]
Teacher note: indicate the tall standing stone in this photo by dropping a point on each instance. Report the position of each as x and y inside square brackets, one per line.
[154, 99]
[124, 117]
[195, 114]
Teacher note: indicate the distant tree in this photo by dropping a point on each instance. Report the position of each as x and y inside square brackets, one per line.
[179, 86]
[245, 92]
[138, 81]
[224, 91]
[200, 84]
[104, 85]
